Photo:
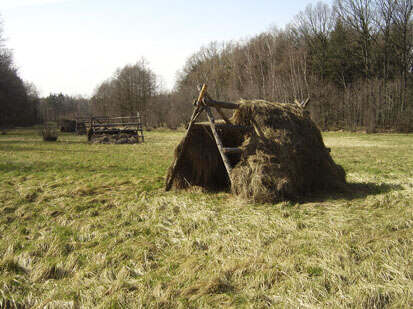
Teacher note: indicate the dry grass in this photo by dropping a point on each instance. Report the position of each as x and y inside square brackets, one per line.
[86, 226]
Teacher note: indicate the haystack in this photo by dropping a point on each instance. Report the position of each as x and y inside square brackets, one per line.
[68, 125]
[120, 138]
[283, 155]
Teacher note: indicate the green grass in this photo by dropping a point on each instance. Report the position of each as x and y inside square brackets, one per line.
[90, 226]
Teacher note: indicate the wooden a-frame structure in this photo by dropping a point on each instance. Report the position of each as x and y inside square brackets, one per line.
[205, 103]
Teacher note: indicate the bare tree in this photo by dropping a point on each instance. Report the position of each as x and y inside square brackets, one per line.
[359, 15]
[128, 92]
[315, 24]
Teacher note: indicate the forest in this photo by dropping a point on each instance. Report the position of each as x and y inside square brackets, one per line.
[353, 59]
[19, 101]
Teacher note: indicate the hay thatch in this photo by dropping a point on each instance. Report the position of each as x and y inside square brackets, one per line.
[283, 155]
[68, 125]
[81, 128]
[200, 163]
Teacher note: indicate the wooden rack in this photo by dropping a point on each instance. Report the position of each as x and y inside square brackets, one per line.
[81, 124]
[117, 125]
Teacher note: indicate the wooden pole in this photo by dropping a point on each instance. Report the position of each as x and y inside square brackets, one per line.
[90, 131]
[223, 115]
[218, 109]
[202, 93]
[218, 104]
[224, 157]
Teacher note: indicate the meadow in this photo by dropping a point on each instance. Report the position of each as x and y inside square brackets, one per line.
[90, 226]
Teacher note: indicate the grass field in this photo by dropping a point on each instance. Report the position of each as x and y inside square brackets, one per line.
[89, 226]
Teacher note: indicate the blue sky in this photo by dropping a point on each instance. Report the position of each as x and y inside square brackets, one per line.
[71, 46]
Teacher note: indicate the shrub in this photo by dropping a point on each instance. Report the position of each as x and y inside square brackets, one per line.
[49, 131]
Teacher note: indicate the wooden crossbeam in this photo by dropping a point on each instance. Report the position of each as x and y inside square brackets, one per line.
[230, 126]
[115, 132]
[230, 150]
[115, 124]
[207, 97]
[219, 104]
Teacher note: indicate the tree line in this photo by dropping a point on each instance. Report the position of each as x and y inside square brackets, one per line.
[354, 59]
[132, 89]
[58, 106]
[18, 100]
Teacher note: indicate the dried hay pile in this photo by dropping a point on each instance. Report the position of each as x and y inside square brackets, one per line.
[68, 125]
[81, 128]
[283, 155]
[122, 138]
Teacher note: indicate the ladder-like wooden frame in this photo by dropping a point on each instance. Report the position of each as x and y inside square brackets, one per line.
[205, 103]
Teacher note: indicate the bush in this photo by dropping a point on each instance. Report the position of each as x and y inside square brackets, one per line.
[49, 131]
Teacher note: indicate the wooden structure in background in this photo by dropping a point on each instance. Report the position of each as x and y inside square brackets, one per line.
[81, 125]
[116, 125]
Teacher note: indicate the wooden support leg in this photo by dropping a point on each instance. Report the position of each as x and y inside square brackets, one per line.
[224, 157]
[223, 115]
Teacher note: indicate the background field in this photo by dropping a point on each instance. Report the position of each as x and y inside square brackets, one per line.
[90, 226]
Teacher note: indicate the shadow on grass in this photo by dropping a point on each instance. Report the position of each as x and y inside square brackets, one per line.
[351, 192]
[7, 303]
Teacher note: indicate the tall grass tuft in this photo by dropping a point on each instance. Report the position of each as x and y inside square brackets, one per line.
[48, 130]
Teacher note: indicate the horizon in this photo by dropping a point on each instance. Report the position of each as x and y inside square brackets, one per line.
[71, 46]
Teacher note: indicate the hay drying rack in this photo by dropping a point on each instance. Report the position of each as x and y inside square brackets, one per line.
[205, 103]
[81, 124]
[117, 125]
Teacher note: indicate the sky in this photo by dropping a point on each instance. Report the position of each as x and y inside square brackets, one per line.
[71, 46]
